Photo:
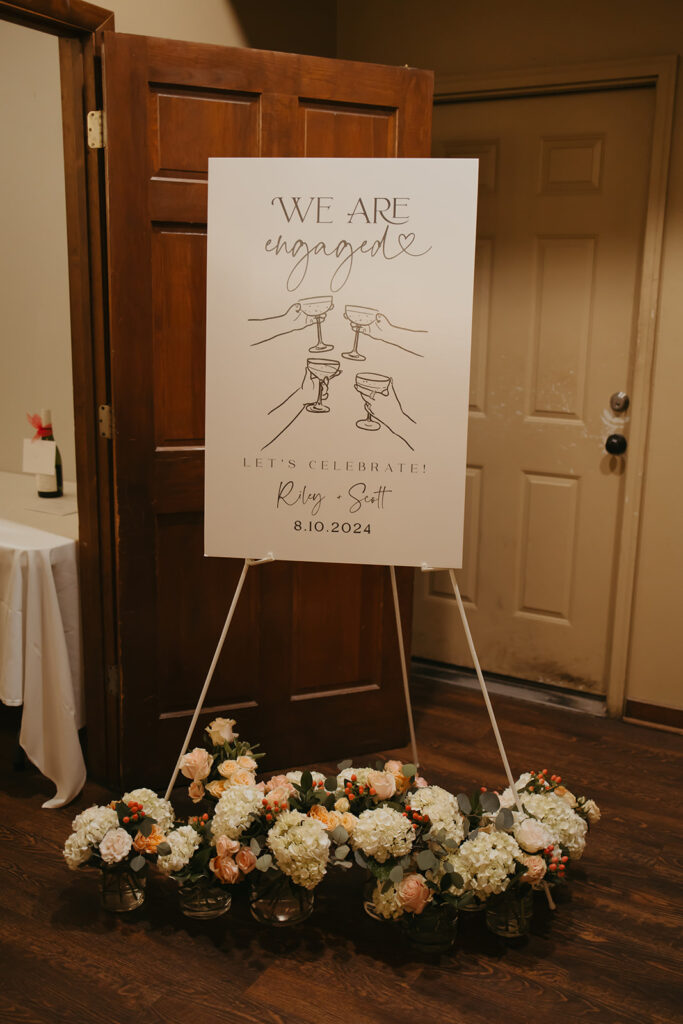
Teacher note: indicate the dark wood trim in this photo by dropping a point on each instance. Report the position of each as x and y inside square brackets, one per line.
[654, 714]
[58, 17]
[79, 26]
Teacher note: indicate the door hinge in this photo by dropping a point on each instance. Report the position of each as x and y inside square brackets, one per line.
[104, 420]
[113, 680]
[96, 129]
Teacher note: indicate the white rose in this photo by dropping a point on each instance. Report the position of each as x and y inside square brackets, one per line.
[342, 805]
[532, 836]
[76, 851]
[115, 846]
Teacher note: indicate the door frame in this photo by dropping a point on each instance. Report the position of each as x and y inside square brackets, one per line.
[658, 73]
[79, 27]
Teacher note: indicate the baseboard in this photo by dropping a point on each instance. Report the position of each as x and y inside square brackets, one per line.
[538, 693]
[670, 719]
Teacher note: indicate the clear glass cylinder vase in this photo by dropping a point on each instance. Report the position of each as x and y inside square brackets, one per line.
[509, 915]
[203, 900]
[277, 900]
[434, 930]
[121, 888]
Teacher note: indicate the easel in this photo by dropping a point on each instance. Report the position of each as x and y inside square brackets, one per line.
[249, 562]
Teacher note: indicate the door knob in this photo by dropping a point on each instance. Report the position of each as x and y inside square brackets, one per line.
[616, 444]
[620, 401]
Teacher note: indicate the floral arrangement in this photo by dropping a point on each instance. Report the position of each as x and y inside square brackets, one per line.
[427, 853]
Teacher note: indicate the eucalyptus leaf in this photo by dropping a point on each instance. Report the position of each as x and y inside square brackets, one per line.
[341, 852]
[163, 849]
[425, 860]
[448, 867]
[489, 802]
[450, 844]
[137, 863]
[360, 859]
[343, 765]
[396, 874]
[255, 847]
[331, 783]
[504, 820]
[264, 862]
[464, 803]
[409, 770]
[386, 885]
[339, 834]
[473, 834]
[405, 861]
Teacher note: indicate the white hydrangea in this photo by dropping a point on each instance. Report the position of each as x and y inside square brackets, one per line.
[154, 806]
[563, 822]
[235, 811]
[386, 904]
[442, 809]
[507, 797]
[382, 833]
[76, 851]
[92, 825]
[300, 846]
[183, 842]
[486, 863]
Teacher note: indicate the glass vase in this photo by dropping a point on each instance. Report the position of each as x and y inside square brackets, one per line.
[204, 900]
[509, 915]
[432, 931]
[277, 900]
[121, 888]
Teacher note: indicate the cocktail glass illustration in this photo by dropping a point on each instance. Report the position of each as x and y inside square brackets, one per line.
[370, 384]
[358, 316]
[317, 307]
[323, 370]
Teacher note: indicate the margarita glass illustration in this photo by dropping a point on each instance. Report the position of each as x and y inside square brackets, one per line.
[322, 370]
[358, 317]
[317, 307]
[369, 384]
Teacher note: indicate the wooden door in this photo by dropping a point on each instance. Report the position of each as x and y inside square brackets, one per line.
[563, 193]
[310, 668]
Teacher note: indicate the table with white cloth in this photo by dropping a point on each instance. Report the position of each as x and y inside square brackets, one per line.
[40, 636]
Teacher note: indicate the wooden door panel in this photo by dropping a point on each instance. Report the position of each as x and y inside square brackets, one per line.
[310, 666]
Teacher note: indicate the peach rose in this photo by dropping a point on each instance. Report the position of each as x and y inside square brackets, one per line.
[196, 791]
[148, 844]
[242, 778]
[396, 769]
[413, 893]
[217, 787]
[245, 860]
[244, 761]
[227, 768]
[348, 821]
[221, 731]
[535, 869]
[196, 764]
[383, 783]
[226, 847]
[225, 869]
[322, 815]
[279, 795]
[280, 782]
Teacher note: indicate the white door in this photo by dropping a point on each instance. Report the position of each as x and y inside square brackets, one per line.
[563, 190]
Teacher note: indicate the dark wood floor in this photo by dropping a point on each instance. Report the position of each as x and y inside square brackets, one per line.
[611, 953]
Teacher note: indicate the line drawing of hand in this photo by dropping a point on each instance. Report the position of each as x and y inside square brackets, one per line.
[310, 394]
[383, 405]
[382, 329]
[293, 319]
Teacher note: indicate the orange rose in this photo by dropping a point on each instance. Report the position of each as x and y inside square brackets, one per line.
[225, 869]
[321, 814]
[245, 860]
[217, 787]
[196, 791]
[396, 769]
[148, 844]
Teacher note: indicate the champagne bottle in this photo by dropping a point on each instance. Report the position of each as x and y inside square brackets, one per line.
[50, 485]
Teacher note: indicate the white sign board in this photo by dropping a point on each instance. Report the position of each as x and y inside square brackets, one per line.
[339, 311]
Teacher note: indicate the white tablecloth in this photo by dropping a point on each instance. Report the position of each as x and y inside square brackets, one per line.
[40, 651]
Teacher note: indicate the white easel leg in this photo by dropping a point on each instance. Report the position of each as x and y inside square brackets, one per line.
[212, 668]
[404, 668]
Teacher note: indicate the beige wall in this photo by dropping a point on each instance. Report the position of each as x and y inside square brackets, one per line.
[498, 35]
[35, 339]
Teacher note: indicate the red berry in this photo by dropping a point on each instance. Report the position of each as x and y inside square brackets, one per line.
[205, 817]
[564, 859]
[353, 778]
[126, 820]
[404, 814]
[553, 867]
[483, 789]
[544, 772]
[558, 779]
[269, 817]
[135, 817]
[373, 791]
[142, 814]
[264, 802]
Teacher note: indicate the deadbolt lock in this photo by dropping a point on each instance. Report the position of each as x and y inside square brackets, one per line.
[620, 401]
